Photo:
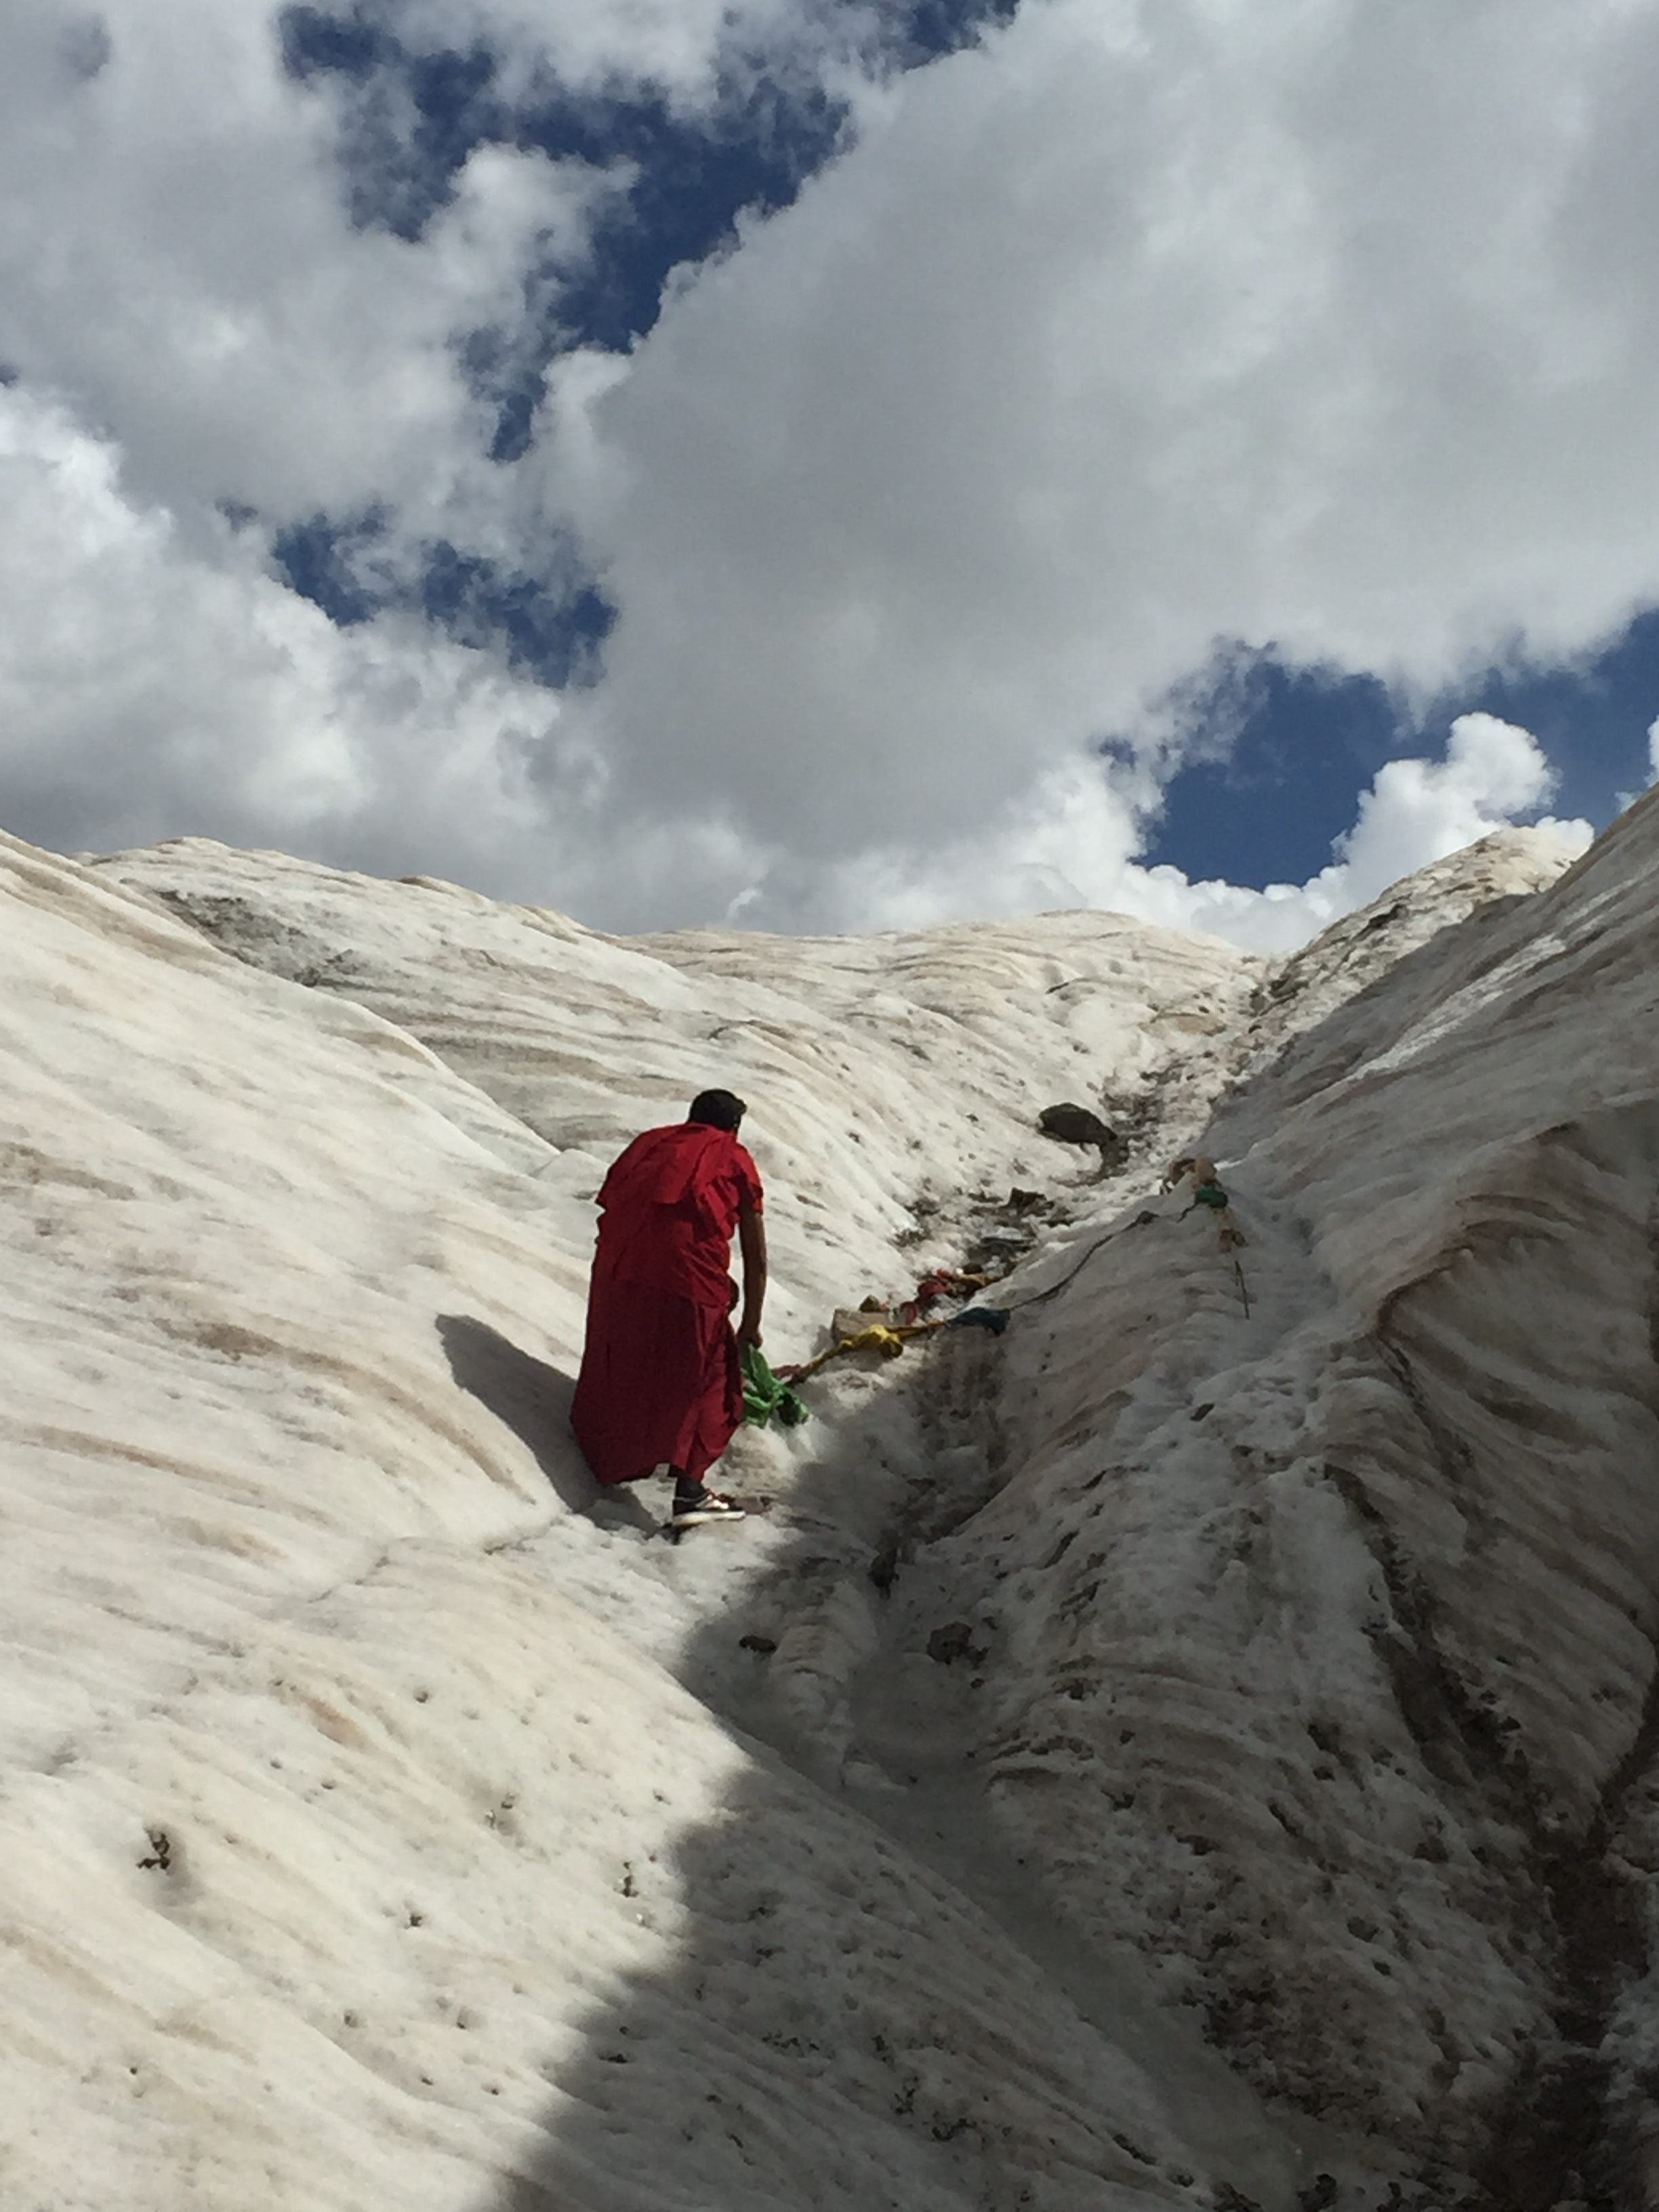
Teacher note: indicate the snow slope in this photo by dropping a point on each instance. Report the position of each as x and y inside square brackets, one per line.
[337, 1837]
[387, 1819]
[1321, 1670]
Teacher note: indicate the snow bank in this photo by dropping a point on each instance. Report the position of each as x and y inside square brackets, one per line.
[350, 1860]
[1321, 1634]
[389, 1819]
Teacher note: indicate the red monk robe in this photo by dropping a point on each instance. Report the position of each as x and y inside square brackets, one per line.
[661, 1381]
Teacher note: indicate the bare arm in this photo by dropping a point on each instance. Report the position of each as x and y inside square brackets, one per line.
[751, 1242]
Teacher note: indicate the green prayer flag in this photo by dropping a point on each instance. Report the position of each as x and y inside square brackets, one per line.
[765, 1396]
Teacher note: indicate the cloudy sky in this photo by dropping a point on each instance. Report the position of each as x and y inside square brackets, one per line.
[830, 462]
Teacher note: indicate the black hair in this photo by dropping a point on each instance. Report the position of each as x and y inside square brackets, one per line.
[718, 1109]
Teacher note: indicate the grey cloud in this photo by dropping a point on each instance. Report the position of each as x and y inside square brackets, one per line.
[85, 45]
[1145, 328]
[1141, 326]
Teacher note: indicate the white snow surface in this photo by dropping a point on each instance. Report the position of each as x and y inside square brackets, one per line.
[390, 1818]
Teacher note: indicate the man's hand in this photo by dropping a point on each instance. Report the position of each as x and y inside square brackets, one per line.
[748, 1333]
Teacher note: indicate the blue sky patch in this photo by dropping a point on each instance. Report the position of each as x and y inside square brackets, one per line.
[408, 121]
[1276, 758]
[1591, 719]
[695, 175]
[916, 32]
[1280, 753]
[324, 562]
[550, 633]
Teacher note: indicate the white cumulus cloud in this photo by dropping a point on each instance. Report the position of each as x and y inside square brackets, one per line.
[1140, 328]
[1071, 842]
[1148, 324]
[149, 688]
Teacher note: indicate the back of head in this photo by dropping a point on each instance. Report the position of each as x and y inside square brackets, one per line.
[717, 1109]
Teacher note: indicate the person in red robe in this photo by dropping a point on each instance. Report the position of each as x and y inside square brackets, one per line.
[660, 1388]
